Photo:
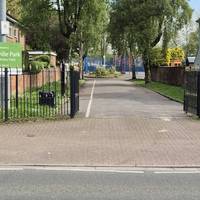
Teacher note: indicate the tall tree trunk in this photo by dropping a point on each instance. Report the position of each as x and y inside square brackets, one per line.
[132, 61]
[133, 67]
[81, 61]
[147, 67]
[68, 51]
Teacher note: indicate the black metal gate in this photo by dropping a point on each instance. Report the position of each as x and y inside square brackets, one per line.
[192, 92]
[45, 94]
[74, 92]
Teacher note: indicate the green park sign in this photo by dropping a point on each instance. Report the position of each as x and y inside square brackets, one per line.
[10, 55]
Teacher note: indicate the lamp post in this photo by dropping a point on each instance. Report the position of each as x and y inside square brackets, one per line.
[2, 19]
[3, 31]
[197, 60]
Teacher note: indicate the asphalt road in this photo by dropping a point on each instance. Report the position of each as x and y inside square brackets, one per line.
[97, 185]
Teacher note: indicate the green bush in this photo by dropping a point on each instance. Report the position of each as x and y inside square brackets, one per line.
[37, 66]
[102, 72]
[116, 74]
[98, 72]
[112, 71]
[42, 58]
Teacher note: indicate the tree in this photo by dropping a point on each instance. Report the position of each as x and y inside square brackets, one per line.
[191, 47]
[14, 8]
[122, 37]
[64, 26]
[151, 20]
[91, 28]
[174, 54]
[156, 57]
[36, 18]
[69, 12]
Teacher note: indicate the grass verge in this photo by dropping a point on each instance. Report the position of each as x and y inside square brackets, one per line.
[175, 93]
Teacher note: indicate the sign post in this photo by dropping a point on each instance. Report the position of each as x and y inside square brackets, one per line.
[10, 58]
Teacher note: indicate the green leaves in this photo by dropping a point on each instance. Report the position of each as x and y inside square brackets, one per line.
[36, 18]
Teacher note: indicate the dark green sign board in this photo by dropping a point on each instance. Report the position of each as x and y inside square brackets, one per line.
[10, 55]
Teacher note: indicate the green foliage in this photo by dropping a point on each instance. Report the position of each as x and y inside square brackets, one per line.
[112, 71]
[43, 58]
[76, 26]
[191, 47]
[88, 38]
[102, 72]
[174, 54]
[156, 57]
[145, 23]
[14, 8]
[37, 66]
[36, 18]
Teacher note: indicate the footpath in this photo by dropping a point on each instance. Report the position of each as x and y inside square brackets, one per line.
[119, 125]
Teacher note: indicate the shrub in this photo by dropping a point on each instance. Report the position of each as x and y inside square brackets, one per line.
[112, 71]
[42, 58]
[37, 66]
[156, 57]
[98, 72]
[102, 72]
[117, 74]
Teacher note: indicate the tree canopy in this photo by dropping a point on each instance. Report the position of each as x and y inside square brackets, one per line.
[192, 44]
[63, 25]
[14, 8]
[147, 22]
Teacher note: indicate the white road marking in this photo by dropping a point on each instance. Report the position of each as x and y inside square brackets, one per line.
[120, 170]
[11, 169]
[90, 101]
[178, 172]
[88, 170]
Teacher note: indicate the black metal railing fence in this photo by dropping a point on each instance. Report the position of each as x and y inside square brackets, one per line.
[192, 92]
[25, 95]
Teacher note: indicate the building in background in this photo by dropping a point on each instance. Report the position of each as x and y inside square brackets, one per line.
[16, 34]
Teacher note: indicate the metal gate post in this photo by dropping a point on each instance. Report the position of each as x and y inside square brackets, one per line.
[185, 87]
[6, 94]
[63, 79]
[17, 91]
[72, 93]
[198, 94]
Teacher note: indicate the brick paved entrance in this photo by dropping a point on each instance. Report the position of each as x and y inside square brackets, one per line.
[127, 126]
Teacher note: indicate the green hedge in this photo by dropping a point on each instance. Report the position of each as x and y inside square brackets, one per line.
[37, 66]
[43, 58]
